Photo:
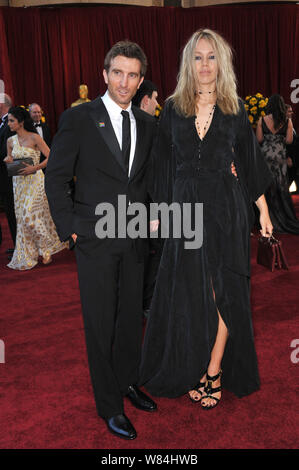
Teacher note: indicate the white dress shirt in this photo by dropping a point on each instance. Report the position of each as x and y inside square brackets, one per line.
[116, 118]
[39, 130]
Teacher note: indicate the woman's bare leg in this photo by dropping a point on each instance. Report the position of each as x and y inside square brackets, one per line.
[216, 359]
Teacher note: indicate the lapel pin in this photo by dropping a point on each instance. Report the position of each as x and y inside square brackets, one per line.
[101, 124]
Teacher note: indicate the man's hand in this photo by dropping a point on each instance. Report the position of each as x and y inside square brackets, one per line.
[233, 170]
[154, 224]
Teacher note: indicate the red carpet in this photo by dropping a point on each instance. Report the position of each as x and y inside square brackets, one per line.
[46, 396]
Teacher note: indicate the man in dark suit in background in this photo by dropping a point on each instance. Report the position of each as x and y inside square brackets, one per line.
[106, 144]
[42, 128]
[146, 99]
[6, 188]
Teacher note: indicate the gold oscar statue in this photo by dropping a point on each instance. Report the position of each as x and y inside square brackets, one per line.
[83, 93]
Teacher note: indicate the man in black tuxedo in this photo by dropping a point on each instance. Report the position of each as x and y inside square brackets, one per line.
[106, 144]
[42, 128]
[6, 188]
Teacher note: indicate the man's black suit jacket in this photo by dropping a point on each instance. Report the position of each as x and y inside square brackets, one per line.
[46, 136]
[5, 133]
[46, 133]
[86, 146]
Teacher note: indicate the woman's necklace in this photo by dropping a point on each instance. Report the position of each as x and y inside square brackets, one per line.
[206, 124]
[206, 92]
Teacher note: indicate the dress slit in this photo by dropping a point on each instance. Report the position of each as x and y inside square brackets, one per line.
[218, 312]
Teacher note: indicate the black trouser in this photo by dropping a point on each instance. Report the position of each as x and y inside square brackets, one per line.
[9, 208]
[152, 262]
[111, 284]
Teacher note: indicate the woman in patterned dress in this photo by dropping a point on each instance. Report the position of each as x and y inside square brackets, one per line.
[273, 132]
[36, 233]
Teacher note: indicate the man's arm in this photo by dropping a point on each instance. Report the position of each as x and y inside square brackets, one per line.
[60, 171]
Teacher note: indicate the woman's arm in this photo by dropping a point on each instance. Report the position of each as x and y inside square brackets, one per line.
[42, 146]
[44, 149]
[259, 131]
[9, 158]
[265, 221]
[290, 132]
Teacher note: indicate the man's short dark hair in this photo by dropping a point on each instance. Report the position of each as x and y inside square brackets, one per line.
[146, 89]
[127, 49]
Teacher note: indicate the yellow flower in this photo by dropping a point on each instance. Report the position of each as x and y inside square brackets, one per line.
[247, 97]
[43, 119]
[263, 113]
[258, 95]
[254, 110]
[250, 118]
[246, 107]
[262, 104]
[253, 100]
[266, 100]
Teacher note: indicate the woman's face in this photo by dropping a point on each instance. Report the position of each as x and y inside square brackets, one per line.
[13, 123]
[205, 62]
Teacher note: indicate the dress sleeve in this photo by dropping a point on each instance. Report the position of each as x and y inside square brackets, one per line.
[250, 162]
[162, 165]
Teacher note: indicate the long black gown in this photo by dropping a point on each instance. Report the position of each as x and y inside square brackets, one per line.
[280, 204]
[183, 320]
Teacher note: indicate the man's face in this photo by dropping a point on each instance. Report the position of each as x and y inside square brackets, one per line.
[36, 113]
[3, 109]
[123, 79]
[149, 105]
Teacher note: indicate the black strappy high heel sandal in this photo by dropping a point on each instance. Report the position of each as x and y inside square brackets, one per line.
[196, 389]
[209, 390]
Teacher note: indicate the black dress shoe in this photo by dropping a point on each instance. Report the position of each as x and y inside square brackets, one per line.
[121, 426]
[140, 400]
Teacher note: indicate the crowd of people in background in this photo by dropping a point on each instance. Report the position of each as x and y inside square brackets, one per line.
[276, 135]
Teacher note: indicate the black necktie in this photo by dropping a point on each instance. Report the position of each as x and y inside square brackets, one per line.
[126, 139]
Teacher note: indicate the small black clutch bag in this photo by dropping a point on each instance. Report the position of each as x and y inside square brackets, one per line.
[17, 165]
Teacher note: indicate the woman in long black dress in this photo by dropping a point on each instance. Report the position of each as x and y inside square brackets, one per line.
[273, 132]
[199, 325]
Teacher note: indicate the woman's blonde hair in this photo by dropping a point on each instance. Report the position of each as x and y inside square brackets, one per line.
[184, 96]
